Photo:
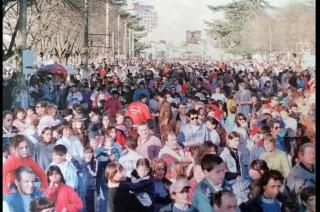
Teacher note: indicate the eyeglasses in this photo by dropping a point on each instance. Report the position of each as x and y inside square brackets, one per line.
[193, 118]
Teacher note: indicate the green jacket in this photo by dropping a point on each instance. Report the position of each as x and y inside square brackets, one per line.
[203, 197]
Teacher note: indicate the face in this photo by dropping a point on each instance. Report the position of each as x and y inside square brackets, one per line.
[272, 189]
[159, 171]
[128, 122]
[119, 176]
[143, 171]
[113, 133]
[66, 132]
[194, 119]
[108, 141]
[30, 112]
[20, 115]
[216, 175]
[22, 150]
[26, 184]
[40, 110]
[55, 177]
[181, 196]
[182, 109]
[120, 119]
[7, 120]
[309, 156]
[47, 136]
[88, 156]
[58, 159]
[209, 125]
[242, 121]
[269, 145]
[143, 131]
[172, 140]
[198, 173]
[234, 142]
[218, 90]
[105, 121]
[228, 204]
[276, 129]
[310, 203]
[254, 174]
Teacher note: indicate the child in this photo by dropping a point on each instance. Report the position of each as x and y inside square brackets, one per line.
[104, 154]
[67, 168]
[30, 116]
[19, 119]
[87, 181]
[73, 144]
[214, 169]
[42, 151]
[112, 132]
[120, 122]
[65, 198]
[31, 131]
[120, 197]
[142, 183]
[20, 157]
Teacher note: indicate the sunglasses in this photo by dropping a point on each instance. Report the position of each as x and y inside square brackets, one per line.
[193, 118]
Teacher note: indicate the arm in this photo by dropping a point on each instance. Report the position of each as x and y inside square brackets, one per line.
[42, 175]
[74, 203]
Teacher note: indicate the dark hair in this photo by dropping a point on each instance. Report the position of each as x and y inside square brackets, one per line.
[307, 192]
[265, 129]
[16, 111]
[43, 131]
[142, 96]
[217, 199]
[269, 137]
[259, 165]
[270, 174]
[17, 139]
[53, 168]
[88, 149]
[212, 120]
[233, 135]
[5, 113]
[192, 112]
[60, 149]
[272, 121]
[208, 162]
[143, 162]
[37, 205]
[18, 171]
[131, 142]
[205, 149]
[238, 115]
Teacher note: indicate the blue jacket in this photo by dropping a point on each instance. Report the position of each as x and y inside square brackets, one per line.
[15, 201]
[137, 92]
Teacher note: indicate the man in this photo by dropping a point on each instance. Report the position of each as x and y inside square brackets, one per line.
[275, 158]
[291, 125]
[225, 201]
[192, 133]
[214, 170]
[243, 99]
[148, 144]
[113, 104]
[303, 173]
[276, 132]
[20, 200]
[140, 90]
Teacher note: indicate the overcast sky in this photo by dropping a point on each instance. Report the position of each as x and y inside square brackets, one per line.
[177, 16]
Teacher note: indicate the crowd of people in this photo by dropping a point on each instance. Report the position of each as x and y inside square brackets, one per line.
[159, 137]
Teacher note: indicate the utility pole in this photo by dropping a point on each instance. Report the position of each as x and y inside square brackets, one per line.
[86, 35]
[125, 40]
[22, 40]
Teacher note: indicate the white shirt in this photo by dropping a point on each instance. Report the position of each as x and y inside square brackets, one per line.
[74, 147]
[219, 96]
[129, 160]
[214, 136]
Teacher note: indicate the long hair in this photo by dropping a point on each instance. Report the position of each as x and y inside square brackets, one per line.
[56, 169]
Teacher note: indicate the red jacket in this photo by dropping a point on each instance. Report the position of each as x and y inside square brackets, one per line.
[113, 105]
[64, 197]
[13, 163]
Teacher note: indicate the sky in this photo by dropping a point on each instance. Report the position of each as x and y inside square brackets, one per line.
[177, 16]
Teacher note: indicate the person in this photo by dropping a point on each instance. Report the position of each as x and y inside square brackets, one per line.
[113, 104]
[243, 99]
[161, 183]
[218, 95]
[308, 199]
[65, 198]
[42, 151]
[73, 97]
[225, 201]
[73, 144]
[269, 198]
[303, 173]
[180, 119]
[192, 133]
[179, 195]
[257, 169]
[276, 159]
[148, 144]
[8, 130]
[26, 190]
[214, 171]
[68, 170]
[87, 179]
[138, 111]
[120, 197]
[212, 124]
[21, 156]
[19, 119]
[140, 90]
[165, 113]
[129, 159]
[48, 119]
[42, 204]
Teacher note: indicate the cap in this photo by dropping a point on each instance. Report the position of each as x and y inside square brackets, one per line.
[178, 186]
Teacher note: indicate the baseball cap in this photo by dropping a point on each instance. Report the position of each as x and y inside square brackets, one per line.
[178, 186]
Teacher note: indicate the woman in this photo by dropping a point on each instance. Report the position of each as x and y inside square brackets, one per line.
[79, 130]
[49, 118]
[161, 184]
[65, 198]
[180, 119]
[19, 119]
[212, 125]
[20, 156]
[42, 151]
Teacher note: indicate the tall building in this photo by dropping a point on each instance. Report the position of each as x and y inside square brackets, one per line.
[149, 17]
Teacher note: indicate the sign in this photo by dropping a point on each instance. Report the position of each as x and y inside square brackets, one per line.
[28, 61]
[193, 37]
